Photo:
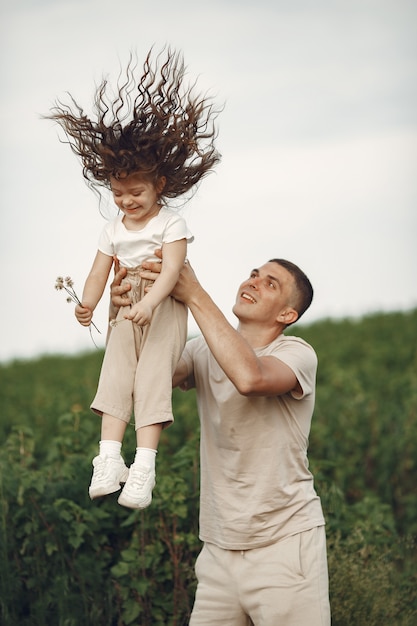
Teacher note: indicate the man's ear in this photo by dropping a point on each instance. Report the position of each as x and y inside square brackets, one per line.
[288, 316]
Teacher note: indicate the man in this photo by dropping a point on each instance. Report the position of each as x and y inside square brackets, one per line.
[263, 561]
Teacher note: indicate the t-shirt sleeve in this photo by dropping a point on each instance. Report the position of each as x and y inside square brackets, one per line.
[105, 243]
[188, 355]
[176, 228]
[302, 359]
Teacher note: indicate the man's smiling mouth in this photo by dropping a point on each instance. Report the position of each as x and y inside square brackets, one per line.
[246, 296]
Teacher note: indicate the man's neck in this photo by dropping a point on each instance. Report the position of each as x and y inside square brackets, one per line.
[258, 336]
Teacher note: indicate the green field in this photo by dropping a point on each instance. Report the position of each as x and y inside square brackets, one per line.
[66, 561]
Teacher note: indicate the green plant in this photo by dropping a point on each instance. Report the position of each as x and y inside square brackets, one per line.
[65, 560]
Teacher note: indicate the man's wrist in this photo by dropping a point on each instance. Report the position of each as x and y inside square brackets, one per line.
[195, 297]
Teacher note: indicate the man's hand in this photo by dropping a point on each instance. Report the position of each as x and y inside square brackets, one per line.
[152, 269]
[117, 290]
[187, 280]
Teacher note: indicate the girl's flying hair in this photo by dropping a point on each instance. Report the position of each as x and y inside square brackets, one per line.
[153, 126]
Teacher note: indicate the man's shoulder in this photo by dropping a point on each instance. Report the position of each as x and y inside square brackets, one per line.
[195, 347]
[289, 340]
[295, 340]
[196, 344]
[292, 344]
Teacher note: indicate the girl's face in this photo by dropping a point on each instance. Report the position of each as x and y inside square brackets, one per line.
[137, 198]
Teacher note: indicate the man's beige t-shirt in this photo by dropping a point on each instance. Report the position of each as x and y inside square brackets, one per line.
[256, 487]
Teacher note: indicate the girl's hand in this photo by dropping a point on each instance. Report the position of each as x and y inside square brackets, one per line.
[140, 313]
[84, 315]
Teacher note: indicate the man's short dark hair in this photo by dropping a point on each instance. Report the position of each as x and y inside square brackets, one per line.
[303, 288]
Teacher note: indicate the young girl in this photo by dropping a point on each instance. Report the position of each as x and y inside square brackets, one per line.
[146, 149]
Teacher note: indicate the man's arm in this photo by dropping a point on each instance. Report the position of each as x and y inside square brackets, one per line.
[251, 375]
[181, 378]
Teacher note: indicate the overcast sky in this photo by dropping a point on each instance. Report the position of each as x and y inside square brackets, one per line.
[318, 140]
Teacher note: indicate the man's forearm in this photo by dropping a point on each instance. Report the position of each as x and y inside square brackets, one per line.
[233, 353]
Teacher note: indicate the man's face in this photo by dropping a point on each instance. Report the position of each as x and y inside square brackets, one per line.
[265, 294]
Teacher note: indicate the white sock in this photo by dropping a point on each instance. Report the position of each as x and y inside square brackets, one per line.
[110, 448]
[145, 456]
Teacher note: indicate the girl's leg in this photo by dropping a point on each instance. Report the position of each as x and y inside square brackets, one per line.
[137, 492]
[161, 347]
[147, 439]
[148, 436]
[112, 428]
[112, 433]
[109, 470]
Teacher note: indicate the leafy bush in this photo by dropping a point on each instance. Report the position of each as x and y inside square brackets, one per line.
[65, 560]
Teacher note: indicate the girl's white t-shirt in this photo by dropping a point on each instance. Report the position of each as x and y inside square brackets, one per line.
[132, 247]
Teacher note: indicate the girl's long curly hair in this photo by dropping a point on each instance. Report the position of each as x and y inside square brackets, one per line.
[154, 127]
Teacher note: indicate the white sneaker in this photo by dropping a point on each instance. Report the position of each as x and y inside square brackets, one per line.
[137, 492]
[108, 474]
